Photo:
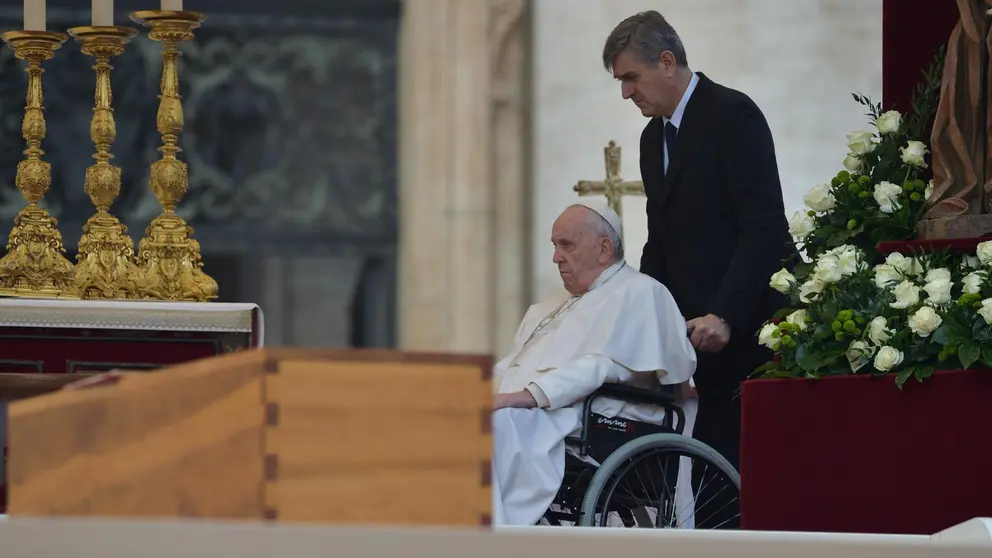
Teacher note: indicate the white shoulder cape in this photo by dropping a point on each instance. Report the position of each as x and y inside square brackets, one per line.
[631, 318]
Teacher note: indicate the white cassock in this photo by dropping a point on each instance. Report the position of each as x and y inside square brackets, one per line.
[626, 329]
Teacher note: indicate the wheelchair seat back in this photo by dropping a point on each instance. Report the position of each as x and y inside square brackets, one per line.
[607, 434]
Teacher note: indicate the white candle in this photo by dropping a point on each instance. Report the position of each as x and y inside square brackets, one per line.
[103, 13]
[174, 5]
[34, 15]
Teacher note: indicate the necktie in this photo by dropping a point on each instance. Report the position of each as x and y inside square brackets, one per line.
[671, 134]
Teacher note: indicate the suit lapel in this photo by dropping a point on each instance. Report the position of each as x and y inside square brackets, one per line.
[690, 137]
[653, 171]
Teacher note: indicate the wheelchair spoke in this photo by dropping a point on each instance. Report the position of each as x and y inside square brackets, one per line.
[632, 493]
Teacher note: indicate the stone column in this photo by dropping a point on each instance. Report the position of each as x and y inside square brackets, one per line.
[462, 260]
[511, 56]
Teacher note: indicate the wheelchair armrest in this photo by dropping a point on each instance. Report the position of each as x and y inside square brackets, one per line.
[660, 398]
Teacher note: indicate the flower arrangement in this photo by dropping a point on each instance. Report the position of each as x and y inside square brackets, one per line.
[908, 315]
[882, 192]
[880, 195]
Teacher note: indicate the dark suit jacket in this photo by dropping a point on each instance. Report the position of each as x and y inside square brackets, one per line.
[717, 229]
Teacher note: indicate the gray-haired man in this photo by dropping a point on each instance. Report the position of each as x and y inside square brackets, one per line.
[716, 220]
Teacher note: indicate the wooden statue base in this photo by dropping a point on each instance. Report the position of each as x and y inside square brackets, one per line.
[960, 226]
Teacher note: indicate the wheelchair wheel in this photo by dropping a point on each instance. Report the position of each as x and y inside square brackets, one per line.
[636, 487]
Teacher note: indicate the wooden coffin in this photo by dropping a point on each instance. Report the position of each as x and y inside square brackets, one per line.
[276, 434]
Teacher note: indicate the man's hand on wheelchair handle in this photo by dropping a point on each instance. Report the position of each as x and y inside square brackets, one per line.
[708, 333]
[518, 400]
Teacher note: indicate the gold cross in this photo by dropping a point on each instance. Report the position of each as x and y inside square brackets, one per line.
[614, 188]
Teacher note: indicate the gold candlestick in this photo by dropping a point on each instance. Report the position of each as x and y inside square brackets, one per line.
[169, 258]
[35, 264]
[104, 266]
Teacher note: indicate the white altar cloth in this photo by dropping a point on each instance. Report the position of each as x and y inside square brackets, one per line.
[139, 315]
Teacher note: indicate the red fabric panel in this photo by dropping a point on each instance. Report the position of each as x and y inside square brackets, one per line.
[856, 454]
[59, 350]
[913, 247]
[912, 31]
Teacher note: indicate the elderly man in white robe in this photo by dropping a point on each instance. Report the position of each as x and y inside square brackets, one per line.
[615, 325]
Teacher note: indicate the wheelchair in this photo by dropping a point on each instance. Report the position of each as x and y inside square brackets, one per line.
[639, 463]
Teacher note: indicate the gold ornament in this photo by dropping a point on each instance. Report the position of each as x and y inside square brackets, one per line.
[35, 264]
[104, 265]
[169, 258]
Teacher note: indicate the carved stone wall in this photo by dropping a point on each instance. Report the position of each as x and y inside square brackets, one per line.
[291, 143]
[464, 124]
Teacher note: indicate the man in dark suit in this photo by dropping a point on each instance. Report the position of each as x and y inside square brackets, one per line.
[717, 229]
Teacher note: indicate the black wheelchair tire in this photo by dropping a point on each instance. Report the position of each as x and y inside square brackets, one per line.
[688, 446]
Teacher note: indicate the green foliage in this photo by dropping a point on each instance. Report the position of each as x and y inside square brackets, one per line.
[926, 96]
[907, 316]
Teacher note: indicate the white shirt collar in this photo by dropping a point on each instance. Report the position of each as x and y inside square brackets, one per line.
[607, 274]
[680, 110]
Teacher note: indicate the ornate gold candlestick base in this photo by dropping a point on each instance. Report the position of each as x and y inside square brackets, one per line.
[35, 264]
[169, 257]
[104, 266]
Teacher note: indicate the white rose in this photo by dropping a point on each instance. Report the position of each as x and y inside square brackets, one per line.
[924, 321]
[888, 358]
[799, 318]
[801, 225]
[986, 310]
[908, 266]
[809, 290]
[878, 331]
[888, 122]
[913, 154]
[820, 198]
[782, 281]
[970, 262]
[860, 142]
[928, 191]
[938, 274]
[907, 294]
[938, 285]
[847, 258]
[984, 252]
[972, 283]
[886, 275]
[852, 163]
[859, 354]
[768, 336]
[887, 196]
[827, 269]
[939, 291]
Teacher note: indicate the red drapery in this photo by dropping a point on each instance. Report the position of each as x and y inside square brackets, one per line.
[856, 454]
[912, 31]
